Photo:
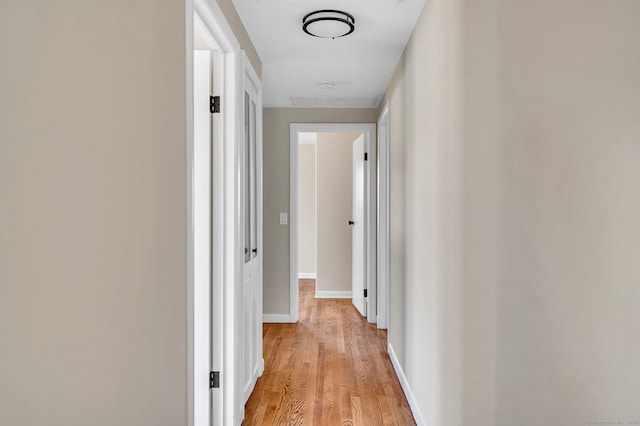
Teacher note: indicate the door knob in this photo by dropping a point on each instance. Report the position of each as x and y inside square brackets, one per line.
[351, 222]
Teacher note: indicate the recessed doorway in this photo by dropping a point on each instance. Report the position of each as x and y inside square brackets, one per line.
[323, 164]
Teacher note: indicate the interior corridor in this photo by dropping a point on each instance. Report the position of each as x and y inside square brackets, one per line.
[329, 368]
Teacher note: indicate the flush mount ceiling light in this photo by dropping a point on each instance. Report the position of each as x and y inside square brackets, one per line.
[328, 24]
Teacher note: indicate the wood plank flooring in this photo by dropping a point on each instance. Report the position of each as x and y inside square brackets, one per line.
[331, 368]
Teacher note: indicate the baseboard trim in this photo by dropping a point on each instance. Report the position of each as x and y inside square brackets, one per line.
[333, 295]
[307, 276]
[276, 318]
[411, 398]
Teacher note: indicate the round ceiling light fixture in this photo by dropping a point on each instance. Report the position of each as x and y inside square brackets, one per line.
[328, 24]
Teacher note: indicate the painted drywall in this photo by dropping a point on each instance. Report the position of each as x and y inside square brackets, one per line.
[425, 172]
[568, 242]
[514, 153]
[93, 267]
[232, 17]
[276, 123]
[335, 209]
[93, 228]
[307, 224]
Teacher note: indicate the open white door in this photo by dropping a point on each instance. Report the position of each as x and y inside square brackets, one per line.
[358, 226]
[202, 235]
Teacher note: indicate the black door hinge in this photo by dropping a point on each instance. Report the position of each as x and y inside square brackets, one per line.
[214, 380]
[366, 156]
[365, 292]
[215, 104]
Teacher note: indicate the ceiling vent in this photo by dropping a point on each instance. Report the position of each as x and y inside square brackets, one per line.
[335, 102]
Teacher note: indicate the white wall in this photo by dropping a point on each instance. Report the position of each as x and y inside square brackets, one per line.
[307, 228]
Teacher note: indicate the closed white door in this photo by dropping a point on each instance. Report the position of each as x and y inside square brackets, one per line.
[251, 286]
[358, 227]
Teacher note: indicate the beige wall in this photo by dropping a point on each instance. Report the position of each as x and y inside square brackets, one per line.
[307, 228]
[426, 118]
[335, 209]
[93, 268]
[93, 293]
[569, 231]
[276, 191]
[514, 183]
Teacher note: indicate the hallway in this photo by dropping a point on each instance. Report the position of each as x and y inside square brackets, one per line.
[329, 368]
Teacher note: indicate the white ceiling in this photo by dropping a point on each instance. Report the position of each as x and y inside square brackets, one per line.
[360, 65]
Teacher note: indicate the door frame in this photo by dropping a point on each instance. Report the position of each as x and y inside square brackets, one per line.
[208, 18]
[369, 130]
[384, 135]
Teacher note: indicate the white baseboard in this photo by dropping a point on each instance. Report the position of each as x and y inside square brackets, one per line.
[276, 318]
[411, 398]
[307, 276]
[333, 295]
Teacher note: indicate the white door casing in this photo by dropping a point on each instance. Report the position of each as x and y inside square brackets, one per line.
[225, 264]
[369, 131]
[383, 217]
[358, 243]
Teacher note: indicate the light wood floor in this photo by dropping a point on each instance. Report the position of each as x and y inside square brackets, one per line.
[331, 368]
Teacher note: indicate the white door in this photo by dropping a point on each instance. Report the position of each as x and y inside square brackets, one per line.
[202, 235]
[358, 227]
[251, 203]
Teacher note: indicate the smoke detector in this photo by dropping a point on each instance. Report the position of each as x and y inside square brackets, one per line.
[327, 85]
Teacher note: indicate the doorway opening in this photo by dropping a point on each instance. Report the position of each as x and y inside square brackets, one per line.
[330, 215]
[322, 182]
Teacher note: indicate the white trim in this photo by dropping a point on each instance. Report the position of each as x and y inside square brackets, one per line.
[333, 294]
[201, 216]
[276, 318]
[234, 404]
[384, 135]
[371, 168]
[211, 23]
[307, 275]
[408, 392]
[293, 222]
[369, 130]
[216, 24]
[190, 232]
[218, 247]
